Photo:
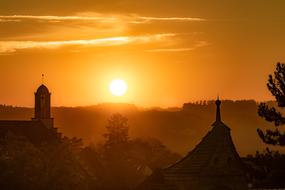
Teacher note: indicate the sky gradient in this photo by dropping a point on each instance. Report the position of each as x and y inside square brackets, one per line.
[168, 52]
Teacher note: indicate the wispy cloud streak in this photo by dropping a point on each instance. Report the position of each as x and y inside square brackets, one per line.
[13, 46]
[171, 18]
[98, 18]
[197, 45]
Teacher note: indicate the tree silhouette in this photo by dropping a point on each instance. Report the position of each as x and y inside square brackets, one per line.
[128, 161]
[115, 153]
[117, 130]
[276, 85]
[266, 169]
[57, 166]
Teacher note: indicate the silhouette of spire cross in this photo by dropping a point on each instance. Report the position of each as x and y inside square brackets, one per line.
[43, 78]
[218, 111]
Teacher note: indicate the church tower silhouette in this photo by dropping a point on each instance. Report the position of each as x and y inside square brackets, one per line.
[40, 128]
[42, 106]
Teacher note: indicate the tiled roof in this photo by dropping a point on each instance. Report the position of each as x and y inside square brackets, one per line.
[201, 159]
[213, 161]
[214, 155]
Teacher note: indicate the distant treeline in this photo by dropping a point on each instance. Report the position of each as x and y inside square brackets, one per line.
[179, 128]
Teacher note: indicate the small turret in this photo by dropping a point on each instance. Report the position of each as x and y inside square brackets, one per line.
[42, 103]
[42, 106]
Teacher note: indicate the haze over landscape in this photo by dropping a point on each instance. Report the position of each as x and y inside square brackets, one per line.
[142, 95]
[178, 128]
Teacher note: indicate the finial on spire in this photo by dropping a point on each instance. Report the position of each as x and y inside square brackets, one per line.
[43, 77]
[218, 112]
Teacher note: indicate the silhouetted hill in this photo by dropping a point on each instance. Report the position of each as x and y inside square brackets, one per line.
[179, 128]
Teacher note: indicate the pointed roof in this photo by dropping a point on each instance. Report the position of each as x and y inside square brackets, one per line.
[214, 155]
[42, 90]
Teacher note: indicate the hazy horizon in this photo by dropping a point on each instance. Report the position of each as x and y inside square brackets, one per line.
[180, 129]
[137, 105]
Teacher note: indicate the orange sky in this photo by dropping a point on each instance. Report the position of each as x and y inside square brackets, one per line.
[168, 52]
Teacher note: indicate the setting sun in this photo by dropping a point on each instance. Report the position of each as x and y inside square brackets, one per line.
[118, 87]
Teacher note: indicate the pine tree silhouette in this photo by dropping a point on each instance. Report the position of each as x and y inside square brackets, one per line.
[276, 85]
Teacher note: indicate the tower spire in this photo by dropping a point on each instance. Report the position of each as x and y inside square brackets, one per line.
[43, 78]
[218, 112]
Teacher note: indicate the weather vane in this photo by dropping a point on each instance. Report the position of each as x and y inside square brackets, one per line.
[43, 77]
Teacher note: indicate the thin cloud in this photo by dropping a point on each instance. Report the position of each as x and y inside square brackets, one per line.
[197, 45]
[97, 18]
[170, 50]
[13, 46]
[58, 18]
[171, 19]
[10, 20]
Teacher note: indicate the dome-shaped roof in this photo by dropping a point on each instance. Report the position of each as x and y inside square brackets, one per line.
[43, 90]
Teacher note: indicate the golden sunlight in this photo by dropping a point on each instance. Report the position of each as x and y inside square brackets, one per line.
[118, 87]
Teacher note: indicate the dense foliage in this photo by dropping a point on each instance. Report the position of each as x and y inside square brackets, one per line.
[127, 161]
[118, 163]
[24, 165]
[266, 169]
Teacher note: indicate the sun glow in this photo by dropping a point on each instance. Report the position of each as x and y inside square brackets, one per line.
[118, 87]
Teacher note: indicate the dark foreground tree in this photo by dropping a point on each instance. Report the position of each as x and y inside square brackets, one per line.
[276, 85]
[125, 161]
[266, 169]
[57, 166]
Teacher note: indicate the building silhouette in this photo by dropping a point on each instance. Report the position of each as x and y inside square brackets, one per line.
[213, 164]
[42, 107]
[39, 129]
